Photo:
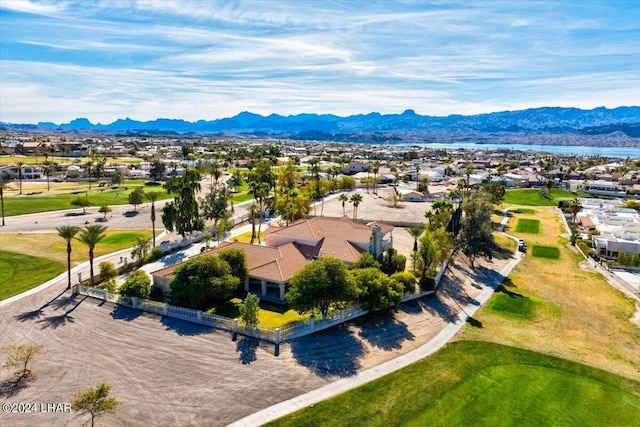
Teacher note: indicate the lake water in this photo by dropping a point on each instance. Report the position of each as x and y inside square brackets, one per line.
[619, 152]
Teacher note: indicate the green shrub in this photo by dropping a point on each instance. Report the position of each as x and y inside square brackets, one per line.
[407, 280]
[109, 285]
[156, 253]
[137, 284]
[108, 271]
[249, 309]
[427, 283]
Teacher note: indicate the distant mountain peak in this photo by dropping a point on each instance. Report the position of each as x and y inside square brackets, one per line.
[537, 120]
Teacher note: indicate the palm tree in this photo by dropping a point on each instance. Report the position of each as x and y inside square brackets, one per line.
[376, 168]
[89, 164]
[574, 208]
[68, 232]
[416, 232]
[344, 199]
[4, 185]
[152, 197]
[428, 214]
[356, 199]
[20, 165]
[252, 210]
[48, 169]
[90, 236]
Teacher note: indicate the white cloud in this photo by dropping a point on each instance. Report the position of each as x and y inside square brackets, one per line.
[37, 8]
[519, 23]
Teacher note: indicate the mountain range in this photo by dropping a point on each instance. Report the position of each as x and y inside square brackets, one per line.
[546, 120]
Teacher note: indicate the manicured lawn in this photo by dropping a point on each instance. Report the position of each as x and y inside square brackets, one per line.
[124, 239]
[246, 237]
[482, 384]
[531, 226]
[241, 197]
[512, 304]
[270, 316]
[61, 195]
[550, 252]
[44, 251]
[531, 197]
[19, 273]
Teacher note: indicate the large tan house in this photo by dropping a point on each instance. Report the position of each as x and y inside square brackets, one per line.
[288, 249]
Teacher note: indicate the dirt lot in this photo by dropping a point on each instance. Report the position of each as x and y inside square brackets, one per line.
[169, 372]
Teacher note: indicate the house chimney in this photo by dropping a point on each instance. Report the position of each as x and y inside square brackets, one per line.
[375, 244]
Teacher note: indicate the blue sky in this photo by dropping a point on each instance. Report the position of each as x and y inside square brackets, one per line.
[193, 60]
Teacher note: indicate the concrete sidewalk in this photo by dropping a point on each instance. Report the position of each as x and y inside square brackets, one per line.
[331, 390]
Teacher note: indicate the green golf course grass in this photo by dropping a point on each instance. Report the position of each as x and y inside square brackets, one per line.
[531, 226]
[550, 252]
[482, 384]
[512, 304]
[43, 202]
[531, 197]
[19, 273]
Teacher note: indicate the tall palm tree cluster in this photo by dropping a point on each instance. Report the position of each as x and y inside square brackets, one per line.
[89, 236]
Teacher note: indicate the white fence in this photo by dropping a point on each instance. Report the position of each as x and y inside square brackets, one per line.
[277, 335]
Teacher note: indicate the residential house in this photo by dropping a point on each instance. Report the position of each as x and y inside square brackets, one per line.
[288, 249]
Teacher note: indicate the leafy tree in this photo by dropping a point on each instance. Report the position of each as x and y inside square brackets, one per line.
[343, 198]
[4, 185]
[21, 356]
[108, 271]
[157, 169]
[81, 202]
[377, 292]
[356, 199]
[427, 254]
[95, 401]
[347, 183]
[117, 178]
[183, 214]
[105, 210]
[366, 260]
[495, 191]
[249, 310]
[236, 179]
[90, 236]
[324, 283]
[203, 281]
[476, 234]
[141, 251]
[407, 280]
[215, 205]
[237, 260]
[153, 196]
[136, 197]
[137, 284]
[68, 232]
